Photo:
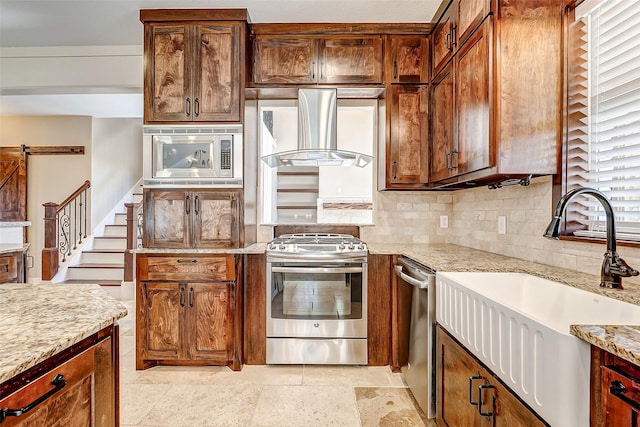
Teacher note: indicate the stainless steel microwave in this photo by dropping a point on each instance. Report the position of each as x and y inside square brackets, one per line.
[202, 156]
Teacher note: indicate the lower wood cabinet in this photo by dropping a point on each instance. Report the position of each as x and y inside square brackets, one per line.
[615, 399]
[12, 267]
[188, 310]
[468, 394]
[76, 387]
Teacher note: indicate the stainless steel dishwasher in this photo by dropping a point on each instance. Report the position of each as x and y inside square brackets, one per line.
[419, 372]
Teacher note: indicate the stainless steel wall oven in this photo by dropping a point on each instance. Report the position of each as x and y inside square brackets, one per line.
[316, 300]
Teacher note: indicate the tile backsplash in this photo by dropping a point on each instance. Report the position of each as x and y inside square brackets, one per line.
[527, 211]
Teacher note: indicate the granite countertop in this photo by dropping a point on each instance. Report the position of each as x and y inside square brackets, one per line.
[39, 321]
[623, 340]
[256, 248]
[6, 248]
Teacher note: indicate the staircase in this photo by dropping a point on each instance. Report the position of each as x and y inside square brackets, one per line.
[102, 260]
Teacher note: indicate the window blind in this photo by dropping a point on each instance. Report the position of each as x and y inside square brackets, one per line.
[603, 143]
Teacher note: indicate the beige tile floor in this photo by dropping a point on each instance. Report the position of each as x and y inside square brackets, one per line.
[278, 396]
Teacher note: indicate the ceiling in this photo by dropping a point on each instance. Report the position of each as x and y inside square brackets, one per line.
[49, 23]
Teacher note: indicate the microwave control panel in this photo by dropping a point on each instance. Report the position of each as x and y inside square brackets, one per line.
[225, 154]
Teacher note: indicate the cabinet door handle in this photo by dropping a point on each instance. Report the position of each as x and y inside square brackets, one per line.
[448, 41]
[454, 29]
[190, 297]
[618, 390]
[187, 207]
[395, 70]
[181, 296]
[184, 261]
[447, 161]
[196, 204]
[454, 164]
[187, 107]
[196, 107]
[395, 170]
[480, 403]
[471, 380]
[321, 70]
[313, 70]
[58, 383]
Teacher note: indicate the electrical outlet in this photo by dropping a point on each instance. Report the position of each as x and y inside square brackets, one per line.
[502, 224]
[444, 221]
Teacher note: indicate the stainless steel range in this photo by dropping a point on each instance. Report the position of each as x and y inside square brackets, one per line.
[316, 299]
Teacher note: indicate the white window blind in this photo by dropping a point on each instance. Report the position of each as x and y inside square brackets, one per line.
[603, 147]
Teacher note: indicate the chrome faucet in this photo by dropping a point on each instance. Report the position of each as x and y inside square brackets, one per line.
[614, 268]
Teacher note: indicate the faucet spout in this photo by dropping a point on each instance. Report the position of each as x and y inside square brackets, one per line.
[613, 267]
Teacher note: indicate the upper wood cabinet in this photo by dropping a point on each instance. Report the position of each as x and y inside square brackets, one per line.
[407, 156]
[312, 60]
[186, 219]
[455, 26]
[193, 71]
[407, 59]
[496, 103]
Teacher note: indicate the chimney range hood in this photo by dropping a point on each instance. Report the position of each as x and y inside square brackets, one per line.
[317, 135]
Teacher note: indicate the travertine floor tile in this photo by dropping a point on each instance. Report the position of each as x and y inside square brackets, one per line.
[317, 406]
[263, 374]
[363, 376]
[205, 405]
[136, 400]
[388, 407]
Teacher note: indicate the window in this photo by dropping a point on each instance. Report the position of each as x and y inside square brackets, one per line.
[603, 115]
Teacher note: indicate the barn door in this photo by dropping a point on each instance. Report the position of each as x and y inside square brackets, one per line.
[13, 185]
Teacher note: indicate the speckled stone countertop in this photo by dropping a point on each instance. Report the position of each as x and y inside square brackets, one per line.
[621, 340]
[6, 248]
[256, 248]
[39, 321]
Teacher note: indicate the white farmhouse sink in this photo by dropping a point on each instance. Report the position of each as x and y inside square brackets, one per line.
[518, 325]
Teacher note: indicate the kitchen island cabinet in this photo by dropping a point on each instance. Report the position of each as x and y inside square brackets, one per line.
[73, 364]
[12, 263]
[188, 310]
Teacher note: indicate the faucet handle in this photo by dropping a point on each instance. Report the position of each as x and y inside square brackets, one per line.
[613, 269]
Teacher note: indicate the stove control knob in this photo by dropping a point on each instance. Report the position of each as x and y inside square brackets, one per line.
[282, 247]
[361, 247]
[341, 247]
[351, 247]
[272, 246]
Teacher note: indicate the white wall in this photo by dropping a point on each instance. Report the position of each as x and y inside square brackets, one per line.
[116, 164]
[50, 178]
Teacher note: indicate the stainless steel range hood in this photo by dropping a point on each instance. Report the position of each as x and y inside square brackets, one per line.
[317, 134]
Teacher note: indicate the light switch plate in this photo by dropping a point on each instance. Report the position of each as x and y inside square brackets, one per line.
[502, 224]
[444, 221]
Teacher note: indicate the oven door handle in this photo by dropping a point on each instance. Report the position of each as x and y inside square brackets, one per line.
[316, 269]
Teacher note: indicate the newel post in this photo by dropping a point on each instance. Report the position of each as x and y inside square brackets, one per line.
[132, 238]
[50, 248]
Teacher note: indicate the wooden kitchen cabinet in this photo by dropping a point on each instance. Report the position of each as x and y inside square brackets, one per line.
[312, 60]
[188, 310]
[379, 311]
[407, 59]
[407, 151]
[455, 26]
[615, 400]
[193, 71]
[12, 267]
[185, 219]
[468, 394]
[78, 387]
[502, 72]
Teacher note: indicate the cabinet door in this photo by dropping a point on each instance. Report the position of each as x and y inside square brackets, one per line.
[409, 59]
[166, 219]
[507, 410]
[470, 15]
[442, 138]
[615, 410]
[164, 327]
[285, 60]
[167, 73]
[443, 41]
[351, 60]
[473, 102]
[215, 216]
[457, 373]
[216, 76]
[9, 267]
[408, 151]
[209, 321]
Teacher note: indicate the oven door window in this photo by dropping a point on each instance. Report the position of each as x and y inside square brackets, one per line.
[316, 292]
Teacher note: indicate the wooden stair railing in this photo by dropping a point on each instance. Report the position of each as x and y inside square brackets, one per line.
[134, 231]
[65, 227]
